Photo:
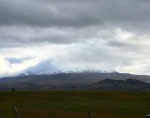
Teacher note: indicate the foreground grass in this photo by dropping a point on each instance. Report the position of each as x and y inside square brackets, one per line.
[75, 104]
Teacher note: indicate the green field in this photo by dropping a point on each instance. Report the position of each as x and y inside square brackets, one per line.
[75, 104]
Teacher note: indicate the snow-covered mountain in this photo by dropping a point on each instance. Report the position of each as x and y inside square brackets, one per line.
[51, 72]
[69, 76]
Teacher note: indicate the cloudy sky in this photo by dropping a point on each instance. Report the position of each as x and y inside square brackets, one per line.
[53, 35]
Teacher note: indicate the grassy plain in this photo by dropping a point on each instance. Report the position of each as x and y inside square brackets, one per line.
[74, 104]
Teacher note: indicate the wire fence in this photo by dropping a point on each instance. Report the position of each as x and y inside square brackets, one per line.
[18, 112]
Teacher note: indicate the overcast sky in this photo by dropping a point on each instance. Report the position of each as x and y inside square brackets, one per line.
[53, 35]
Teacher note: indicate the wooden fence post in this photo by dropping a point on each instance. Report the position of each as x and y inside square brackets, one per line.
[90, 115]
[17, 116]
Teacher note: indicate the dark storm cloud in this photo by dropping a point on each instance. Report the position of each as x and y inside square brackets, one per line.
[38, 13]
[70, 13]
[30, 16]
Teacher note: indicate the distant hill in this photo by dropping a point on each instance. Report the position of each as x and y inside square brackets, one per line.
[121, 85]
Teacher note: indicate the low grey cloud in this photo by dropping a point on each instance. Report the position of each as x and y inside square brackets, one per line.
[25, 36]
[45, 66]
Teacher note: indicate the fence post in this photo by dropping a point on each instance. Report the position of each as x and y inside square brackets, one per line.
[17, 116]
[90, 115]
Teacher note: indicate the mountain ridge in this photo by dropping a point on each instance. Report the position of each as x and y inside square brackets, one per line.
[87, 76]
[78, 81]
